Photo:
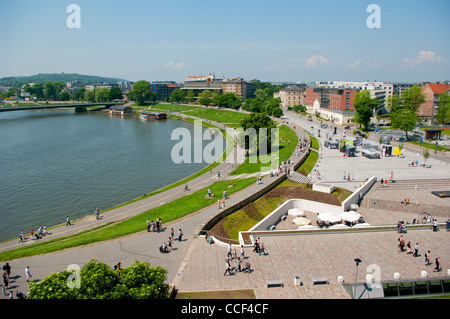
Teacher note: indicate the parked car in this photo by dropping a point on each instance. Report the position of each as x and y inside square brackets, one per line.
[324, 125]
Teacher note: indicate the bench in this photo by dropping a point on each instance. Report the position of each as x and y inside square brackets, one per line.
[283, 217]
[320, 280]
[272, 227]
[274, 283]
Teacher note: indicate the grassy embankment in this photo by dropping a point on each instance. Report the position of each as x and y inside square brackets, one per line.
[171, 211]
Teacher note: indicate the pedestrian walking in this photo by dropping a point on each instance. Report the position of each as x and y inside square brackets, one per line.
[438, 264]
[97, 214]
[401, 243]
[21, 236]
[262, 249]
[148, 225]
[242, 252]
[219, 202]
[229, 251]
[5, 279]
[68, 221]
[7, 269]
[180, 235]
[227, 269]
[427, 258]
[416, 249]
[28, 273]
[171, 233]
[435, 225]
[223, 203]
[447, 225]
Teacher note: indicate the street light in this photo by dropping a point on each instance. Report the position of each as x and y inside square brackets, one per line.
[357, 261]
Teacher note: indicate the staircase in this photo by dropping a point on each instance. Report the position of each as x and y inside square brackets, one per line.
[299, 178]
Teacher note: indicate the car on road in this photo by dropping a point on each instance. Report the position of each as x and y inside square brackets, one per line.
[347, 127]
[324, 125]
[310, 119]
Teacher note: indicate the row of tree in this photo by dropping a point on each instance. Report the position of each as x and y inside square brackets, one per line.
[262, 103]
[403, 109]
[56, 91]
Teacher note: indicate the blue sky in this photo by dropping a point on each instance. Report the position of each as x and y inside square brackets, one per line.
[284, 40]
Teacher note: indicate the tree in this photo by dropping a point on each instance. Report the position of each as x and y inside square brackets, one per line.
[393, 103]
[79, 95]
[227, 100]
[177, 96]
[404, 119]
[38, 89]
[260, 93]
[90, 95]
[50, 90]
[97, 280]
[115, 93]
[426, 155]
[443, 112]
[412, 97]
[102, 95]
[64, 96]
[364, 106]
[142, 92]
[190, 96]
[256, 121]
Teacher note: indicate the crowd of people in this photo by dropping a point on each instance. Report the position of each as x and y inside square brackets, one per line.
[41, 232]
[7, 280]
[415, 253]
[239, 260]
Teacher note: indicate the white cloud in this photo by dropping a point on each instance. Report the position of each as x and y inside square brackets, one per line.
[424, 57]
[355, 64]
[315, 60]
[174, 65]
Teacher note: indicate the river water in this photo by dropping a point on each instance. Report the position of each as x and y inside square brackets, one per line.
[57, 163]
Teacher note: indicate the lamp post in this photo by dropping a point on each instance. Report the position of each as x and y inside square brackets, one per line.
[357, 261]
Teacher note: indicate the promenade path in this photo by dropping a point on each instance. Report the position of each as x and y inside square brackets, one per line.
[142, 246]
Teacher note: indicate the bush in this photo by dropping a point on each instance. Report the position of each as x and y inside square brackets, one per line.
[97, 280]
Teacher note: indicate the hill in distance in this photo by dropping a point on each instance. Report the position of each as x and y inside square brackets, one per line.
[17, 81]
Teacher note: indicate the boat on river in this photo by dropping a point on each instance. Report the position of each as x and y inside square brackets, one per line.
[144, 115]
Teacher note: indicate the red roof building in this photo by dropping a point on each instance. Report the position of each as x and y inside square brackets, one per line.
[431, 91]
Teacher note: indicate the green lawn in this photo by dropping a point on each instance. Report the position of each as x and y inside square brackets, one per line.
[431, 146]
[288, 143]
[309, 163]
[218, 115]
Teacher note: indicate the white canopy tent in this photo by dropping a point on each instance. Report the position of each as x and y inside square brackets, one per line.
[329, 217]
[296, 212]
[350, 216]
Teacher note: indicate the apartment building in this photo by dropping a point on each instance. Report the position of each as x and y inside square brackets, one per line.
[431, 91]
[291, 95]
[240, 87]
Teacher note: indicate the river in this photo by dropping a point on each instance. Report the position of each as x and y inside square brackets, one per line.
[57, 163]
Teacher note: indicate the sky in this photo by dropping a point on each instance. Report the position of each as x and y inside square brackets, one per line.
[276, 41]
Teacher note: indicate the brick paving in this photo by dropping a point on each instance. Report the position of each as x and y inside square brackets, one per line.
[309, 256]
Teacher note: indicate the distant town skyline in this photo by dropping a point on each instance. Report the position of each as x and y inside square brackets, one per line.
[278, 41]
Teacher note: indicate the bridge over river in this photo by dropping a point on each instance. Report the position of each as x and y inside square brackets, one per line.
[78, 107]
